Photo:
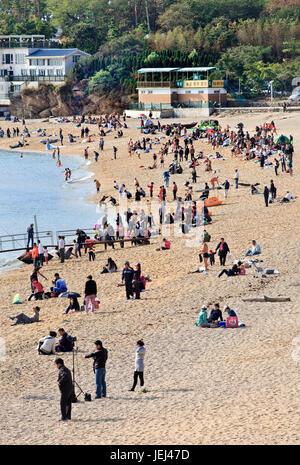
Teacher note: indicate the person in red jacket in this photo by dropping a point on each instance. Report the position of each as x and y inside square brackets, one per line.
[166, 245]
[34, 252]
[38, 291]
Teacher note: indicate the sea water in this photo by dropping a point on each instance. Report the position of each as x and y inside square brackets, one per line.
[35, 185]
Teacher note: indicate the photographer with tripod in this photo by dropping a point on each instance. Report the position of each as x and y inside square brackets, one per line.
[100, 357]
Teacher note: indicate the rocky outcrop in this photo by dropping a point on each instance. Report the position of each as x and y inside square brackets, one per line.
[65, 100]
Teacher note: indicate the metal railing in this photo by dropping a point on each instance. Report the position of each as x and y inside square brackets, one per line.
[16, 239]
[141, 84]
[72, 232]
[36, 78]
[168, 106]
[29, 44]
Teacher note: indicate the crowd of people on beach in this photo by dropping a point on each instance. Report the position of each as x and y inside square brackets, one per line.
[157, 208]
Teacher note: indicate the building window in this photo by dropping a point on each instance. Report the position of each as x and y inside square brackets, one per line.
[20, 59]
[42, 72]
[150, 91]
[7, 59]
[55, 62]
[59, 72]
[188, 92]
[50, 72]
[23, 72]
[32, 72]
[200, 92]
[75, 58]
[37, 62]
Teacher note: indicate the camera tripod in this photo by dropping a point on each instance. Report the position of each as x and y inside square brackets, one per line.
[75, 397]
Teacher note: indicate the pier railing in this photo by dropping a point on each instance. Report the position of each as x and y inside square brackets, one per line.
[17, 240]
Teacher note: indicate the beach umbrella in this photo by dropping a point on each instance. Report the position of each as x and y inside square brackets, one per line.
[69, 295]
[282, 139]
[210, 130]
[142, 115]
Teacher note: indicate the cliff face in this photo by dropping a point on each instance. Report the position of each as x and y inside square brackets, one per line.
[65, 100]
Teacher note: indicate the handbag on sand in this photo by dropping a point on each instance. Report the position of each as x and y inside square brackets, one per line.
[232, 322]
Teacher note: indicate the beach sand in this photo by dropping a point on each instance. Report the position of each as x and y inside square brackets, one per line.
[205, 386]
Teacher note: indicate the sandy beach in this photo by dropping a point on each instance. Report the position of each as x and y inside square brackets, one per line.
[205, 386]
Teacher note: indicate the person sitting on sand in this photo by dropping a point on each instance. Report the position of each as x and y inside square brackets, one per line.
[215, 315]
[234, 271]
[254, 190]
[60, 285]
[255, 249]
[46, 345]
[202, 317]
[229, 310]
[110, 267]
[24, 319]
[65, 343]
[287, 198]
[166, 245]
[73, 307]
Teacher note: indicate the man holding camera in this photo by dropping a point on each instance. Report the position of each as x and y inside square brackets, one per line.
[100, 357]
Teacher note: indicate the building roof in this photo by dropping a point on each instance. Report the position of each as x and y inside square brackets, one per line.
[168, 70]
[54, 52]
[156, 70]
[197, 69]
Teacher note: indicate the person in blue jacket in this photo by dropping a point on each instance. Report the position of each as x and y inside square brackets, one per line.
[60, 285]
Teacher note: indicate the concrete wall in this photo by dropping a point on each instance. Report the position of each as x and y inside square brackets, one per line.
[194, 113]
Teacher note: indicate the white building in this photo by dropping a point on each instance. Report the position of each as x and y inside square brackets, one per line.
[26, 61]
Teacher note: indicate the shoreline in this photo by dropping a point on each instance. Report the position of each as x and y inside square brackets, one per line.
[85, 200]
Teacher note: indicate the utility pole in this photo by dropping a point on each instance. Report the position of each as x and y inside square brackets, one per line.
[36, 227]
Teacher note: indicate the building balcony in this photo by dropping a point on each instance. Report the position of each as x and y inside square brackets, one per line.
[145, 84]
[29, 44]
[181, 83]
[36, 78]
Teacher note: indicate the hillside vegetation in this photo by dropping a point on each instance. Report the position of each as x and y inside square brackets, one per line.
[255, 40]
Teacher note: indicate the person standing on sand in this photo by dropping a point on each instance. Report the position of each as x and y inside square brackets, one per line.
[97, 184]
[223, 251]
[65, 385]
[236, 178]
[266, 195]
[86, 153]
[139, 364]
[90, 293]
[226, 188]
[127, 276]
[100, 357]
[115, 152]
[61, 248]
[205, 253]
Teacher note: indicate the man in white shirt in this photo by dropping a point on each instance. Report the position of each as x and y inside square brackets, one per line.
[236, 179]
[40, 253]
[47, 344]
[255, 250]
[61, 248]
[287, 197]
